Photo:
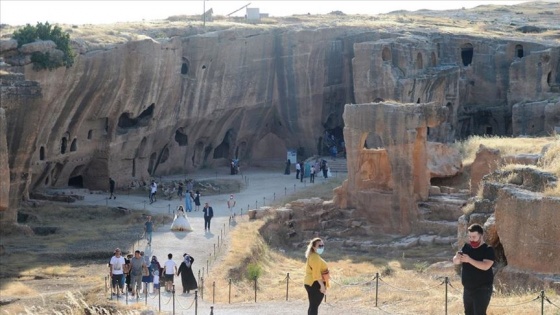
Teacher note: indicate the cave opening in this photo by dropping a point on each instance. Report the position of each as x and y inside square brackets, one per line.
[76, 181]
[181, 138]
[549, 79]
[74, 145]
[90, 134]
[126, 122]
[63, 145]
[467, 52]
[42, 153]
[386, 54]
[185, 66]
[519, 51]
[332, 137]
[223, 149]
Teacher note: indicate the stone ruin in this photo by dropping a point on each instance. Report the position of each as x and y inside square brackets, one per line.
[387, 156]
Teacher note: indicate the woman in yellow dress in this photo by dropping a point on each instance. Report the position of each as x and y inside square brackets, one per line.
[316, 279]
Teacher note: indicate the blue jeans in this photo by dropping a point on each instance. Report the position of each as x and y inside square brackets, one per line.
[476, 300]
[149, 237]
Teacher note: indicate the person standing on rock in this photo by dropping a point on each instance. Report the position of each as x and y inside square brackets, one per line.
[298, 169]
[187, 277]
[476, 259]
[208, 214]
[317, 278]
[312, 174]
[153, 192]
[112, 188]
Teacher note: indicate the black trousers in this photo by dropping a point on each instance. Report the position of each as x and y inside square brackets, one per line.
[476, 300]
[207, 223]
[315, 298]
[297, 174]
[312, 178]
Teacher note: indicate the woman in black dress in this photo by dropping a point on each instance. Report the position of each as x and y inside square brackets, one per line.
[187, 277]
[196, 199]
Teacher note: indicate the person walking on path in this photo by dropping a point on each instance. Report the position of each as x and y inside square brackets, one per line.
[187, 277]
[197, 201]
[112, 188]
[208, 214]
[148, 229]
[317, 277]
[180, 190]
[298, 169]
[231, 206]
[302, 174]
[155, 271]
[137, 268]
[170, 269]
[476, 259]
[325, 168]
[312, 174]
[116, 270]
[153, 192]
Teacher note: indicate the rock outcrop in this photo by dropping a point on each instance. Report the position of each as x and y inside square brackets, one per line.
[148, 108]
[4, 166]
[385, 183]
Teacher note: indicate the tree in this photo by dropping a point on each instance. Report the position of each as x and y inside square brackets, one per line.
[46, 31]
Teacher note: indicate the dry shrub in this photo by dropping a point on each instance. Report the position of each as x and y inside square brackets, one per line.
[17, 288]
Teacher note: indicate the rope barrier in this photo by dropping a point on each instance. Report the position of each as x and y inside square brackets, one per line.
[406, 290]
[546, 299]
[183, 307]
[458, 291]
[510, 305]
[353, 284]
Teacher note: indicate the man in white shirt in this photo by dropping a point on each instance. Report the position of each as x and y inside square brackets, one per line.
[116, 268]
[298, 169]
[153, 191]
[231, 206]
[170, 269]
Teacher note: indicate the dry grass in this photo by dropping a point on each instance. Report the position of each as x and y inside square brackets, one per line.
[403, 289]
[551, 163]
[17, 289]
[506, 145]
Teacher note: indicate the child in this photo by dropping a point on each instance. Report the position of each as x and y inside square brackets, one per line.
[156, 283]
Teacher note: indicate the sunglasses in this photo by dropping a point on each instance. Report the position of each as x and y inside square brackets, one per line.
[321, 246]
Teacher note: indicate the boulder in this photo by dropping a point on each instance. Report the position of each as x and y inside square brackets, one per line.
[525, 159]
[42, 46]
[7, 44]
[486, 161]
[443, 160]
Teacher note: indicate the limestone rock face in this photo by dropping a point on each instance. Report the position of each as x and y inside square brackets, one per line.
[443, 160]
[384, 183]
[4, 166]
[529, 228]
[552, 118]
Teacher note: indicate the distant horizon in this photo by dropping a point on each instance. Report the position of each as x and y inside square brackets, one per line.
[21, 12]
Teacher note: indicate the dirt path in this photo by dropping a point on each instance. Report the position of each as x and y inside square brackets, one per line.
[262, 186]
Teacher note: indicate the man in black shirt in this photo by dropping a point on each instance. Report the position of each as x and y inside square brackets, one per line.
[476, 259]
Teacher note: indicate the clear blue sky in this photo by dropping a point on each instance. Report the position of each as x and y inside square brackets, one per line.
[19, 12]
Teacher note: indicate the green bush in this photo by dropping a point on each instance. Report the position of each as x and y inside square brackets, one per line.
[46, 31]
[254, 271]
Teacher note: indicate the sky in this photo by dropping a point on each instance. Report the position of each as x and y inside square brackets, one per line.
[20, 12]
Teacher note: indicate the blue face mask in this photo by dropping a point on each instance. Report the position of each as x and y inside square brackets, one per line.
[320, 250]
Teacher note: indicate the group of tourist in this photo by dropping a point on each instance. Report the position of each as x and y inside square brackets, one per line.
[308, 169]
[139, 272]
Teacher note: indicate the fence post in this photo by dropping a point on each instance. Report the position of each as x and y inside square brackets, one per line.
[256, 204]
[213, 291]
[169, 208]
[274, 198]
[255, 289]
[214, 249]
[542, 302]
[106, 285]
[446, 283]
[198, 275]
[229, 294]
[173, 293]
[146, 293]
[264, 201]
[144, 204]
[287, 284]
[195, 302]
[211, 310]
[207, 265]
[202, 288]
[294, 187]
[376, 287]
[285, 191]
[159, 297]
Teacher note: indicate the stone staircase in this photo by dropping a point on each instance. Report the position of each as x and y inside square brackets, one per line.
[339, 165]
[439, 214]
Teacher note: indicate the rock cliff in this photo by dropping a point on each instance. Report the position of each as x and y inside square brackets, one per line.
[147, 108]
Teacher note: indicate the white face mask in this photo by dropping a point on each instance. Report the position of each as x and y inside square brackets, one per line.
[320, 250]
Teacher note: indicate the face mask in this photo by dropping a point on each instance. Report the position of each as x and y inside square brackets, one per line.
[320, 250]
[475, 244]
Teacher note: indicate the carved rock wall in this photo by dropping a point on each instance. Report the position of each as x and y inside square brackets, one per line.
[384, 184]
[4, 165]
